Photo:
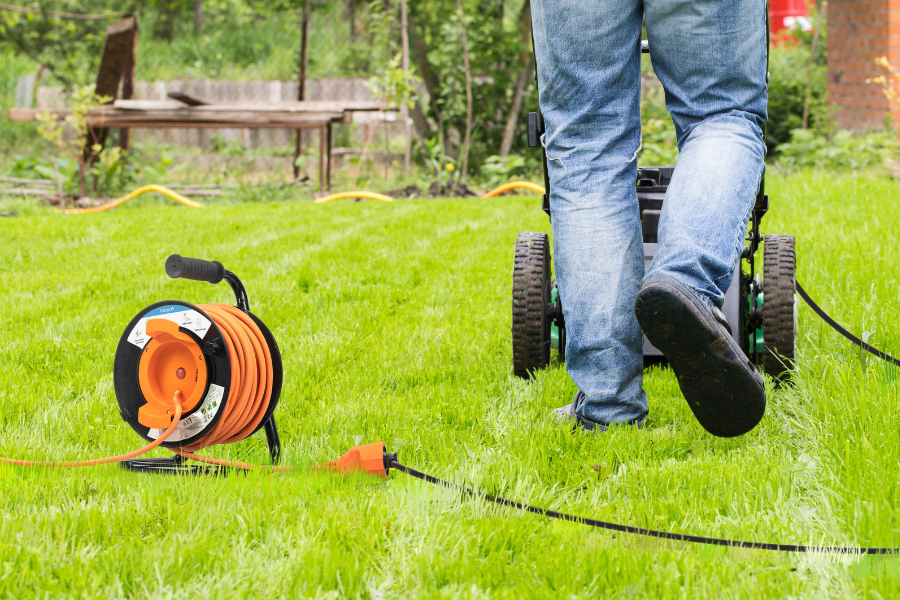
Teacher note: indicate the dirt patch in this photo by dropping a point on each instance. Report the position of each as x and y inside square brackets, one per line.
[68, 202]
[435, 190]
[408, 193]
[451, 190]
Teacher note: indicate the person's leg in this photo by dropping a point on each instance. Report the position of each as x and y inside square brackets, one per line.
[711, 59]
[588, 62]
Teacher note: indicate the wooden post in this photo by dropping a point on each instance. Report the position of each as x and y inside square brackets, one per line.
[322, 159]
[198, 16]
[821, 11]
[351, 8]
[117, 47]
[464, 154]
[301, 79]
[128, 87]
[404, 108]
[328, 143]
[526, 75]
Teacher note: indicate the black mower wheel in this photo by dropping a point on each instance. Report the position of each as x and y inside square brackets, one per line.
[531, 294]
[779, 306]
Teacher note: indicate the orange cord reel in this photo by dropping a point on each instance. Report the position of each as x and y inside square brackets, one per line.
[223, 359]
[188, 377]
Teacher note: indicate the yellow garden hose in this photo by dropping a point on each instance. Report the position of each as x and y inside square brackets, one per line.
[515, 184]
[374, 196]
[355, 194]
[143, 190]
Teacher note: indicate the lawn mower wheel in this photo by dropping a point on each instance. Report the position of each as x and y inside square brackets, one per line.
[531, 295]
[779, 308]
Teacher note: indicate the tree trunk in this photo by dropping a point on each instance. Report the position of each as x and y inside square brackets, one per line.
[515, 110]
[526, 59]
[430, 78]
[301, 80]
[420, 121]
[198, 16]
[823, 7]
[464, 158]
[304, 51]
[404, 109]
[351, 10]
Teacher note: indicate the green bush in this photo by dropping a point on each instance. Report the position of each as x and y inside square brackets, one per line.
[658, 146]
[497, 170]
[658, 141]
[841, 152]
[788, 68]
[239, 43]
[789, 72]
[14, 137]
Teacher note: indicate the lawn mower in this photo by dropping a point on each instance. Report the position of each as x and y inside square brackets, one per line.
[762, 312]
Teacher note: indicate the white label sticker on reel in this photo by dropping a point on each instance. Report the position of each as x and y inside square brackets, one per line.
[194, 424]
[184, 317]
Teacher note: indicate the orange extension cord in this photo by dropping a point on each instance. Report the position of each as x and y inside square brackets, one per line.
[252, 378]
[251, 385]
[251, 392]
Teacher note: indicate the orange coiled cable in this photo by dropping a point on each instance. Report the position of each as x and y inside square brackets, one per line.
[252, 382]
[251, 392]
[251, 377]
[251, 365]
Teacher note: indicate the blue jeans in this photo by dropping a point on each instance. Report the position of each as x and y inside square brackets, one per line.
[710, 56]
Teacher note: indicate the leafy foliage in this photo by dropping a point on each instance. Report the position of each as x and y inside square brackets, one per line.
[890, 82]
[498, 170]
[14, 137]
[495, 42]
[68, 48]
[258, 39]
[841, 152]
[789, 68]
[658, 143]
[106, 165]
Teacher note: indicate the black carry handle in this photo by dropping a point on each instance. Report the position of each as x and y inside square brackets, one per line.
[194, 268]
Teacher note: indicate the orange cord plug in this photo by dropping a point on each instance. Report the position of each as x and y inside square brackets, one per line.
[367, 459]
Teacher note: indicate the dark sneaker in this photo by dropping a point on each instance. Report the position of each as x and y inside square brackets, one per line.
[719, 382]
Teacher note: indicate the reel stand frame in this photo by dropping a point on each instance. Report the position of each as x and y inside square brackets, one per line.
[213, 272]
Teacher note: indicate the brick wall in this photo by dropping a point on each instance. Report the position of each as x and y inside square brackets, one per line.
[859, 31]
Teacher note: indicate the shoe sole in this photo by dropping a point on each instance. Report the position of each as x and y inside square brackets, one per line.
[719, 383]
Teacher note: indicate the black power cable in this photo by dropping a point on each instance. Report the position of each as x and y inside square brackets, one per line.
[837, 327]
[392, 463]
[665, 535]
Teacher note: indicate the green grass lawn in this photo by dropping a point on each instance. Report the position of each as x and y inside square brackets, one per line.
[394, 324]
